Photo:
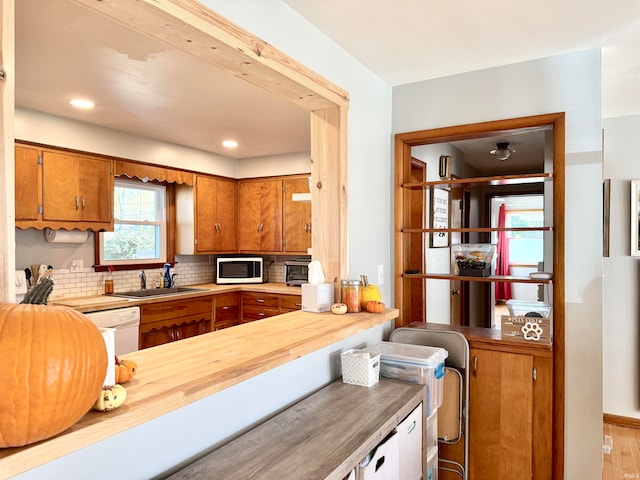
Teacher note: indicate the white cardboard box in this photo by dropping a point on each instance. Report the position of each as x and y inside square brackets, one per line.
[317, 298]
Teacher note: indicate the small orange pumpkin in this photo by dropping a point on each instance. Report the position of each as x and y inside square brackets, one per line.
[374, 306]
[125, 370]
[53, 360]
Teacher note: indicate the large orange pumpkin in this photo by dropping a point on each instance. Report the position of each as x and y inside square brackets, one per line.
[52, 366]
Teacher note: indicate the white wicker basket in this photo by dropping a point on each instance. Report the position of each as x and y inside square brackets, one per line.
[360, 367]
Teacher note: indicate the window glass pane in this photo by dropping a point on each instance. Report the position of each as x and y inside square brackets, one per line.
[525, 250]
[132, 204]
[139, 234]
[525, 219]
[128, 242]
[525, 247]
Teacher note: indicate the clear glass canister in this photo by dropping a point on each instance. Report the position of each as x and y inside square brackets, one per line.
[350, 295]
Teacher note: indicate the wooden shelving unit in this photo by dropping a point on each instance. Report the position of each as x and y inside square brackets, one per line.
[492, 278]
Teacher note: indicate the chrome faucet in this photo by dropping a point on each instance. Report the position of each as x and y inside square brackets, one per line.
[143, 280]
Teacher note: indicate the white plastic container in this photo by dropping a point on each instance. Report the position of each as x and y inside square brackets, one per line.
[360, 367]
[415, 364]
[518, 308]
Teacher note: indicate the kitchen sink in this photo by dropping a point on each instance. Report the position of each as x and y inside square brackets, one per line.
[157, 292]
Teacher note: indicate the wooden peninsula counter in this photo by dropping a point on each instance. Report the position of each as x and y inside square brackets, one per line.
[178, 374]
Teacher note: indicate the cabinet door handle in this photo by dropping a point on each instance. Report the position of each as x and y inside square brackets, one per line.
[455, 292]
[77, 204]
[475, 366]
[299, 305]
[219, 227]
[226, 307]
[261, 314]
[260, 300]
[83, 203]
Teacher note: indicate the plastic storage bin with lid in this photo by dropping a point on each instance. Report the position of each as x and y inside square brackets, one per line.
[528, 309]
[416, 364]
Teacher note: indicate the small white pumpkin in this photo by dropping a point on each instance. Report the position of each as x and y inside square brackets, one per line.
[110, 398]
[339, 308]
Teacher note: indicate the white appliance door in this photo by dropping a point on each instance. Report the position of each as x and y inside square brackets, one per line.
[126, 321]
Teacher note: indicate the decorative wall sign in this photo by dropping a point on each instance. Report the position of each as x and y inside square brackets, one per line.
[635, 218]
[526, 329]
[439, 217]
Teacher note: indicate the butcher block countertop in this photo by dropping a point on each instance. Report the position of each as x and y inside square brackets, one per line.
[175, 374]
[107, 302]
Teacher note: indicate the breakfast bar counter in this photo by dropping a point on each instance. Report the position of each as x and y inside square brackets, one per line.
[178, 374]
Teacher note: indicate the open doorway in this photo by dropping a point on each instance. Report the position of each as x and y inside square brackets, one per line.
[519, 247]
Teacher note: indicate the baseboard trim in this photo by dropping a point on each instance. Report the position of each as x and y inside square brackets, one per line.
[621, 421]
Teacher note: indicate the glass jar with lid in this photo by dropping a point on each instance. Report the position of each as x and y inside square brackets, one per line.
[350, 295]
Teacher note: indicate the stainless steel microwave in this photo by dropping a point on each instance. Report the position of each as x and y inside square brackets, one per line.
[239, 270]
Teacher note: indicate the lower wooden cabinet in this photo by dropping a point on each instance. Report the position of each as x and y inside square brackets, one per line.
[226, 310]
[257, 306]
[290, 303]
[510, 415]
[164, 322]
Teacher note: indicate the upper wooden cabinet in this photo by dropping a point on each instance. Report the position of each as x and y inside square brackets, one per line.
[28, 183]
[59, 189]
[207, 216]
[260, 216]
[297, 217]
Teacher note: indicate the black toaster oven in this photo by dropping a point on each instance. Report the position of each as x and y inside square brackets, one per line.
[296, 272]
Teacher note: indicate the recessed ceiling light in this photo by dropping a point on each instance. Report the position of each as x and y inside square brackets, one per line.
[82, 103]
[230, 144]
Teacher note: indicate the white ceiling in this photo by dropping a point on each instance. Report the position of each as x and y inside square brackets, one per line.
[142, 87]
[405, 41]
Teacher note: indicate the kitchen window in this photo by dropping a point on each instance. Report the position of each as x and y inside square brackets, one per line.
[140, 226]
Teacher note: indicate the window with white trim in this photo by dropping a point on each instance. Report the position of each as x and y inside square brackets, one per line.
[140, 226]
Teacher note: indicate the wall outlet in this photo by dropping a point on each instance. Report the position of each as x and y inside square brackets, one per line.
[380, 274]
[76, 265]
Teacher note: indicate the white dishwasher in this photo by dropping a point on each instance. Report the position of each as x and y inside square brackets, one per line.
[126, 321]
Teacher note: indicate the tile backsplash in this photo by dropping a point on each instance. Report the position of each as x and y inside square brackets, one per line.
[85, 282]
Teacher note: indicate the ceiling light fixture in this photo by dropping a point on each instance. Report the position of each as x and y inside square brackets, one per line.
[230, 144]
[503, 151]
[82, 103]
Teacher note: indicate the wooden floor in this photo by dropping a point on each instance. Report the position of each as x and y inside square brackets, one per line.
[624, 461]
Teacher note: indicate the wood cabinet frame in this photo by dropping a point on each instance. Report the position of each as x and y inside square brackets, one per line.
[191, 27]
[403, 144]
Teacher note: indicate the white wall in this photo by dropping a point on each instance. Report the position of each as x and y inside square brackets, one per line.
[274, 165]
[567, 83]
[51, 130]
[621, 330]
